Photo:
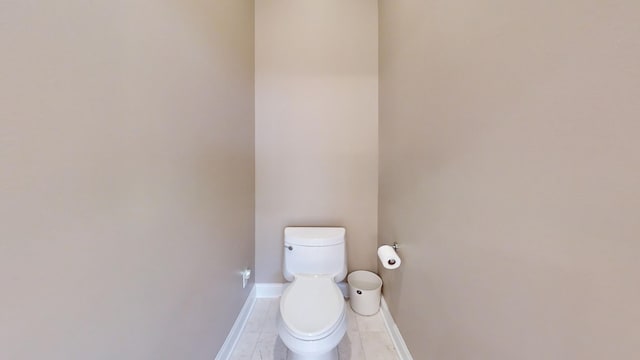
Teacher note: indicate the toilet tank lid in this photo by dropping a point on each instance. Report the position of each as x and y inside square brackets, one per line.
[314, 236]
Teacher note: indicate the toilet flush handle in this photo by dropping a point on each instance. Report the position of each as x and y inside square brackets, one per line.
[289, 247]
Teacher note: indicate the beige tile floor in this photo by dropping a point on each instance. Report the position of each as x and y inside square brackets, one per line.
[366, 338]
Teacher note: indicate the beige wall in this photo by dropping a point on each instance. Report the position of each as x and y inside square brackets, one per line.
[126, 178]
[316, 124]
[509, 174]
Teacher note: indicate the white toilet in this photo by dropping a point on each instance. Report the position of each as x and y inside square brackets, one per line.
[313, 318]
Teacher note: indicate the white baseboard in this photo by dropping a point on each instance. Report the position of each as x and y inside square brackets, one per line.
[392, 328]
[274, 290]
[238, 326]
[269, 290]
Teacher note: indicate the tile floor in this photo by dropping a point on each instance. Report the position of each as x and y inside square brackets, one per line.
[366, 338]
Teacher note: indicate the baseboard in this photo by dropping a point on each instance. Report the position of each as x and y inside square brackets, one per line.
[274, 290]
[238, 326]
[392, 329]
[269, 290]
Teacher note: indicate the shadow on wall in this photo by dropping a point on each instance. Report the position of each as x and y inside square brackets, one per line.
[395, 277]
[214, 30]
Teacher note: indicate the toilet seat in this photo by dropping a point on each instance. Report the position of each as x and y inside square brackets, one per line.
[312, 307]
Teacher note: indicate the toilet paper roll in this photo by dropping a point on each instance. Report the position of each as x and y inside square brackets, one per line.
[389, 257]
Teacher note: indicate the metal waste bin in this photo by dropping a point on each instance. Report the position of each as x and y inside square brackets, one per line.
[364, 292]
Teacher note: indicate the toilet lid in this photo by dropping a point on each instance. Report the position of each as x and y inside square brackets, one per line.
[312, 306]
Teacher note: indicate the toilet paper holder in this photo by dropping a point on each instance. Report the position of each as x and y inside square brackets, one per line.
[395, 247]
[388, 256]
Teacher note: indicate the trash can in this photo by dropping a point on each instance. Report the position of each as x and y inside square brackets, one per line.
[364, 292]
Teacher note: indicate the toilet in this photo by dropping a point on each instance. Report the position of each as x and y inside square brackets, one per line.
[313, 317]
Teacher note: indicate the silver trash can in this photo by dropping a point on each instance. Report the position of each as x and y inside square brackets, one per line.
[364, 292]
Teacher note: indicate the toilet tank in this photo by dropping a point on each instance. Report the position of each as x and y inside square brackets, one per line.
[315, 250]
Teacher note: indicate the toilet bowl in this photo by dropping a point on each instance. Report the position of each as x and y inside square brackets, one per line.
[312, 319]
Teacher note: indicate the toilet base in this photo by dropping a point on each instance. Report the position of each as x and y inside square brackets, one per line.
[331, 355]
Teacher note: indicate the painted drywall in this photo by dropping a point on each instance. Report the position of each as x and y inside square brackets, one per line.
[126, 179]
[509, 174]
[316, 94]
